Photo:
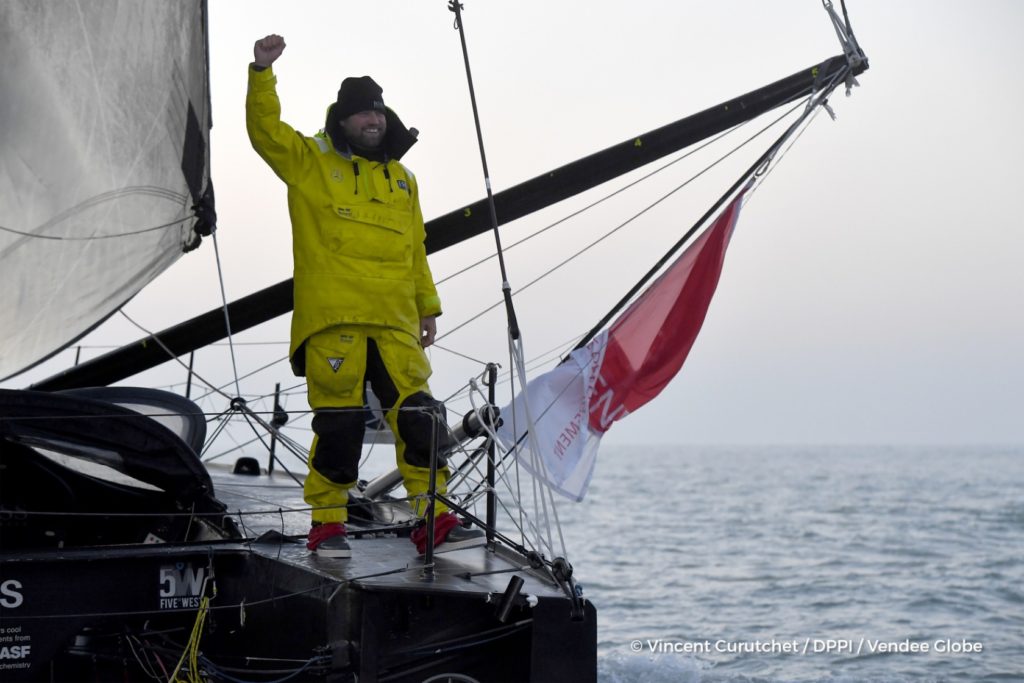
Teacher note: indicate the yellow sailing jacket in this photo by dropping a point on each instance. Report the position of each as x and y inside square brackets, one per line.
[357, 229]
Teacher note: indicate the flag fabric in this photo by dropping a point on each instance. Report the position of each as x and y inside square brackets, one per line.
[618, 371]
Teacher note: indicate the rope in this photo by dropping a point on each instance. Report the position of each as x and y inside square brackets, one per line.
[96, 237]
[150, 190]
[546, 494]
[191, 651]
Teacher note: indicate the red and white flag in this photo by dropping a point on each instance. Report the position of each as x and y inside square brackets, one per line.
[621, 369]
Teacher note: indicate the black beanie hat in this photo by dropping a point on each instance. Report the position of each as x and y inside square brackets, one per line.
[359, 94]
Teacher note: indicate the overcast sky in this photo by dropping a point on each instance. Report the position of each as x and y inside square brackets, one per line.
[873, 292]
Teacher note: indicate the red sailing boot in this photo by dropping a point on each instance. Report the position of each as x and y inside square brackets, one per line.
[328, 540]
[449, 534]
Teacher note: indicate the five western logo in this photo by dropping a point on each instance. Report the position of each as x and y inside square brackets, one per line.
[335, 363]
[181, 585]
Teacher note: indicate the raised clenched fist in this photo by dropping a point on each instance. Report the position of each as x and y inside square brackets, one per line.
[266, 50]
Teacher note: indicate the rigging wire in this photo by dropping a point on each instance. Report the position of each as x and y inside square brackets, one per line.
[271, 429]
[237, 343]
[154, 611]
[537, 361]
[539, 515]
[227, 316]
[245, 376]
[817, 98]
[237, 403]
[519, 364]
[755, 173]
[516, 349]
[237, 447]
[506, 289]
[844, 31]
[170, 354]
[628, 221]
[534, 361]
[782, 155]
[514, 337]
[598, 201]
[220, 391]
[459, 353]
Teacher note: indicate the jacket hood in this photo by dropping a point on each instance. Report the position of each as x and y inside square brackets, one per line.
[397, 140]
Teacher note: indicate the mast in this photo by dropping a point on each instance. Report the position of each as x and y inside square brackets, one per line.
[461, 224]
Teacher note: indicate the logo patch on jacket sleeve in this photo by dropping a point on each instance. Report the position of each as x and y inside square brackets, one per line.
[335, 362]
[402, 185]
[336, 175]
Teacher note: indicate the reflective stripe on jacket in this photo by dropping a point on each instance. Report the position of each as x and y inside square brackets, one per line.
[357, 229]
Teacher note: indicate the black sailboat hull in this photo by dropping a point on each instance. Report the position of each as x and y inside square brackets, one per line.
[120, 556]
[103, 614]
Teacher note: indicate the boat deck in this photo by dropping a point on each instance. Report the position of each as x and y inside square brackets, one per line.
[271, 508]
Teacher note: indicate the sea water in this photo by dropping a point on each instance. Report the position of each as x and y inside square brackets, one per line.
[804, 564]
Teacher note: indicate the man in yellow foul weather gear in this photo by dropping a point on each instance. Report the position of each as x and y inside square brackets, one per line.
[365, 300]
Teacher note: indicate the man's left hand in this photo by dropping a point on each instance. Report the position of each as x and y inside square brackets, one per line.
[428, 330]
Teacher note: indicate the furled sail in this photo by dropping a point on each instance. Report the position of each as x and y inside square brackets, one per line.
[104, 159]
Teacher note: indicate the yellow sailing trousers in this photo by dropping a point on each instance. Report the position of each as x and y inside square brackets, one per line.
[339, 362]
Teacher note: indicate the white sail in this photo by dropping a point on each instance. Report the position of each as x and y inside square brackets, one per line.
[104, 151]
